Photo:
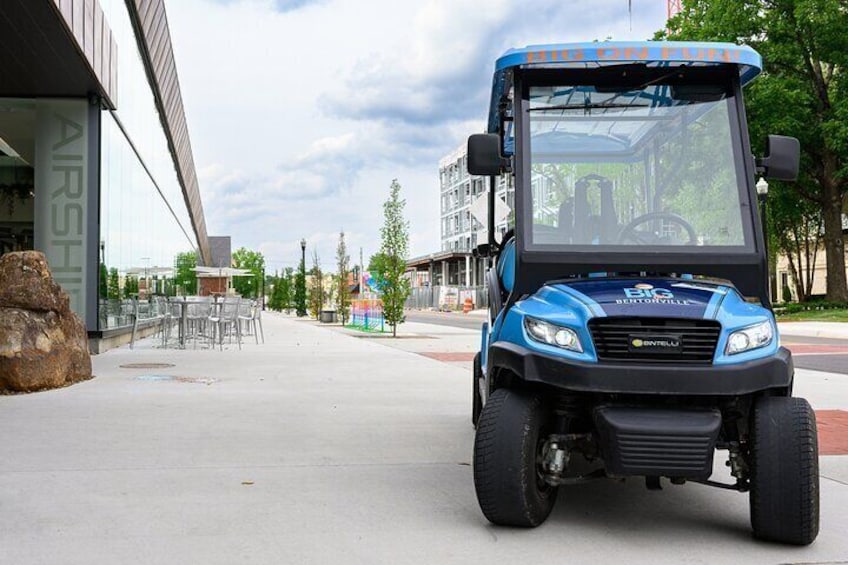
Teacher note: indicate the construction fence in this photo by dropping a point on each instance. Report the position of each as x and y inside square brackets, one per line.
[447, 297]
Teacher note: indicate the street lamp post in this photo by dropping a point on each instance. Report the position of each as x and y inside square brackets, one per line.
[301, 292]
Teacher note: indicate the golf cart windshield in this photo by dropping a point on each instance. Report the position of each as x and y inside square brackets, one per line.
[654, 167]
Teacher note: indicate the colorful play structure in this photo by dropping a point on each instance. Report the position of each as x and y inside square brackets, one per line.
[367, 315]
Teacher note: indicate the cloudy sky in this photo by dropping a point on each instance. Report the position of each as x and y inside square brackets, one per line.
[301, 112]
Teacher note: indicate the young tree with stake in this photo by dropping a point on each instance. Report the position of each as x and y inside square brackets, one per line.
[394, 248]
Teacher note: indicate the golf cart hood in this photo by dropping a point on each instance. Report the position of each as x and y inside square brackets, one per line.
[577, 303]
[651, 297]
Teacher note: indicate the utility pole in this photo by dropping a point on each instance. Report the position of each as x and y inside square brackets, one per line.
[361, 274]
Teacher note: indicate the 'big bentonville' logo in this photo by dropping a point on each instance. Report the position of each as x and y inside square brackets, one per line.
[644, 293]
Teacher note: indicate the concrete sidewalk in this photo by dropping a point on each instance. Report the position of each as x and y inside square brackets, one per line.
[829, 330]
[321, 447]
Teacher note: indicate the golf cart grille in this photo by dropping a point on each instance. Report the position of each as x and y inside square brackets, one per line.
[671, 340]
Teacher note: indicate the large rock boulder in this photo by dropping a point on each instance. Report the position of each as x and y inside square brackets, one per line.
[43, 344]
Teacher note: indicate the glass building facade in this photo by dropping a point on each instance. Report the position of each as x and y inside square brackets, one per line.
[144, 222]
[99, 182]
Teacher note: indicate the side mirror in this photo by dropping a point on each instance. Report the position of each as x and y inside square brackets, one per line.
[782, 157]
[484, 156]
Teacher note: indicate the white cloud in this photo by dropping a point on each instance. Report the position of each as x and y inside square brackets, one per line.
[301, 113]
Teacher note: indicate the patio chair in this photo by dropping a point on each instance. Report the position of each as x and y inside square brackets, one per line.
[165, 317]
[250, 315]
[227, 320]
[257, 320]
[198, 313]
[148, 311]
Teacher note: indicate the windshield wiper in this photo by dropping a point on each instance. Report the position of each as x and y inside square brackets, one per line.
[586, 107]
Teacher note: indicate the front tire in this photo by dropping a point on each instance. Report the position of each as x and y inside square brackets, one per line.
[510, 488]
[784, 494]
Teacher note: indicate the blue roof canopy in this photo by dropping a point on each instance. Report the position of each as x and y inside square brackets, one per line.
[593, 55]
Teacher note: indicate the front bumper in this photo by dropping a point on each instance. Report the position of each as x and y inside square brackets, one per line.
[657, 442]
[774, 372]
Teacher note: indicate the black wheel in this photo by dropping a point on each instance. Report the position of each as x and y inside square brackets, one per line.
[476, 401]
[507, 477]
[784, 471]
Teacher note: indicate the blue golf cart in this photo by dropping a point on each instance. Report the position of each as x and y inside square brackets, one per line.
[630, 331]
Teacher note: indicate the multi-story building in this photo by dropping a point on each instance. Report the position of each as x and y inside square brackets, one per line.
[461, 232]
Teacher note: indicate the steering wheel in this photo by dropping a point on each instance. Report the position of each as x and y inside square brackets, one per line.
[630, 233]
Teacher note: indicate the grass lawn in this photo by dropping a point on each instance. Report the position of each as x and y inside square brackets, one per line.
[815, 316]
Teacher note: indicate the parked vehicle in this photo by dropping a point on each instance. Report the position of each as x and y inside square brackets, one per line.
[630, 323]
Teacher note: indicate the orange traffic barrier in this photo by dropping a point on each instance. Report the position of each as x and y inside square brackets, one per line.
[467, 306]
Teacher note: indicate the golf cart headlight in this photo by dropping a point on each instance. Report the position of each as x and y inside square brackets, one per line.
[750, 338]
[552, 335]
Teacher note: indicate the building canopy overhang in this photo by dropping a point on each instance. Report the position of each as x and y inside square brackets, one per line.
[56, 48]
[424, 261]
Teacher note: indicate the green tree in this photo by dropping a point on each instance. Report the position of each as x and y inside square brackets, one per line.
[131, 286]
[343, 269]
[287, 289]
[185, 277]
[315, 298]
[253, 261]
[103, 283]
[113, 285]
[803, 93]
[795, 227]
[275, 294]
[377, 263]
[394, 249]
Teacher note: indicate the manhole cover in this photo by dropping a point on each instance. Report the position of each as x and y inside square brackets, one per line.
[146, 365]
[176, 379]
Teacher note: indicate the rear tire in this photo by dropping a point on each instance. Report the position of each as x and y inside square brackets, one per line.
[476, 401]
[784, 494]
[510, 489]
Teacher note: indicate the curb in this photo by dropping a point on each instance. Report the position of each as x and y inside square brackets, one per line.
[790, 329]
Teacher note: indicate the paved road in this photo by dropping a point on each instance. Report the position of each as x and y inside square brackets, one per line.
[819, 354]
[320, 448]
[453, 319]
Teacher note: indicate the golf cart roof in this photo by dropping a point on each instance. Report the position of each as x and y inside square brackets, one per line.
[658, 54]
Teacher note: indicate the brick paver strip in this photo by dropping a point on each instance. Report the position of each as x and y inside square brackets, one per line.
[810, 348]
[448, 356]
[833, 432]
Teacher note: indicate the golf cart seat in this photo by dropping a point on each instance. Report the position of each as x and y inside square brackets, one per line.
[593, 224]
